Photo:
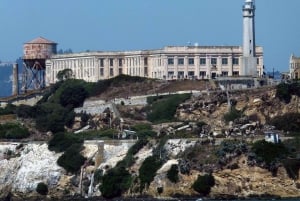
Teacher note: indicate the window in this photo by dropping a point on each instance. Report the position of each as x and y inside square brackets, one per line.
[120, 71]
[146, 71]
[202, 61]
[101, 71]
[101, 62]
[111, 72]
[181, 61]
[170, 61]
[120, 62]
[257, 61]
[111, 62]
[235, 61]
[202, 74]
[145, 61]
[180, 74]
[191, 61]
[235, 73]
[170, 74]
[224, 73]
[191, 73]
[213, 61]
[224, 61]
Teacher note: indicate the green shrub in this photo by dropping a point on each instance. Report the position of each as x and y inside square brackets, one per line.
[73, 96]
[129, 158]
[232, 115]
[42, 188]
[62, 141]
[164, 108]
[26, 111]
[203, 184]
[115, 182]
[282, 92]
[172, 174]
[292, 167]
[72, 160]
[268, 152]
[51, 117]
[148, 170]
[287, 122]
[13, 131]
[9, 109]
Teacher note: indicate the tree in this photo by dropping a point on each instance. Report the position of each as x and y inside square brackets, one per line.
[73, 96]
[64, 74]
[42, 188]
[172, 174]
[203, 184]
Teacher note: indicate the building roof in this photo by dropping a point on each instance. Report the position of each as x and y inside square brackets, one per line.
[40, 40]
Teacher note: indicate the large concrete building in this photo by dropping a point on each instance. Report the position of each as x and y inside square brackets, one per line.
[171, 62]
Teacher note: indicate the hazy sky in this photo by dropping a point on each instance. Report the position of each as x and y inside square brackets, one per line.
[148, 24]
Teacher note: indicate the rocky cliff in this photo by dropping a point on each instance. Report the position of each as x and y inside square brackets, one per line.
[26, 166]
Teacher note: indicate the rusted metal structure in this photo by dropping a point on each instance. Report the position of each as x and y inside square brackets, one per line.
[34, 58]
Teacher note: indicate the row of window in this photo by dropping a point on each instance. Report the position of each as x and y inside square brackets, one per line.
[120, 62]
[213, 61]
[111, 71]
[202, 74]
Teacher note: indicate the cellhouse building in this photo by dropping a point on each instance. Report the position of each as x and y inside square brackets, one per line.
[169, 63]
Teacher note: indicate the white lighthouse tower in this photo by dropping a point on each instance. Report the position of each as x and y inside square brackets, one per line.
[249, 57]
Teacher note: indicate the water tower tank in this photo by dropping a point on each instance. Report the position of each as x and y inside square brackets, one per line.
[35, 54]
[39, 48]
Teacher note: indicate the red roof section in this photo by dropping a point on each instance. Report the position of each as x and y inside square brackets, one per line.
[40, 40]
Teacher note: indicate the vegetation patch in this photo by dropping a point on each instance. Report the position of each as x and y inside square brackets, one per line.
[72, 160]
[284, 91]
[115, 182]
[232, 115]
[287, 122]
[203, 184]
[13, 131]
[62, 141]
[163, 108]
[268, 153]
[172, 174]
[42, 188]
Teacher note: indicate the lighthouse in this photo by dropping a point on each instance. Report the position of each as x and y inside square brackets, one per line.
[249, 56]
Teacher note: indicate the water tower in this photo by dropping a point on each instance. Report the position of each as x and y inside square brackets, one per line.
[35, 54]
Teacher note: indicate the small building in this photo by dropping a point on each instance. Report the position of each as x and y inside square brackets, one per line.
[294, 67]
[272, 137]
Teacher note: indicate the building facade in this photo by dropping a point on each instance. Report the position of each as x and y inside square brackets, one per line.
[169, 63]
[294, 67]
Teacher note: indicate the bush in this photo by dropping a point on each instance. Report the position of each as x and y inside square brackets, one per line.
[13, 131]
[287, 122]
[268, 152]
[73, 96]
[42, 188]
[164, 108]
[148, 170]
[282, 92]
[26, 111]
[129, 158]
[203, 184]
[72, 160]
[232, 115]
[51, 117]
[9, 109]
[172, 174]
[62, 141]
[115, 182]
